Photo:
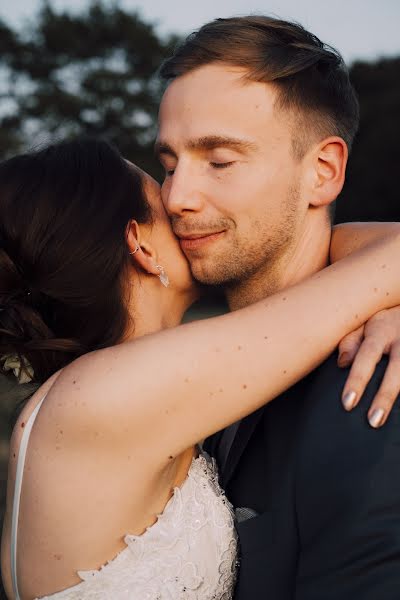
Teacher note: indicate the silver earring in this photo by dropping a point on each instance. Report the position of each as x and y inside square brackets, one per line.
[135, 250]
[163, 277]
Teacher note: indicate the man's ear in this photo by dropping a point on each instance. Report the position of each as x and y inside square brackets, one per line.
[142, 253]
[327, 170]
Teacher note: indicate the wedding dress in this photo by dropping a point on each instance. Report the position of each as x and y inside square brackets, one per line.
[188, 554]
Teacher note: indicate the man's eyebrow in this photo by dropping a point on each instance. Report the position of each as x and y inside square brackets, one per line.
[208, 142]
[211, 142]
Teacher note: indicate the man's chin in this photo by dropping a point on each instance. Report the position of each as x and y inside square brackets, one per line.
[208, 274]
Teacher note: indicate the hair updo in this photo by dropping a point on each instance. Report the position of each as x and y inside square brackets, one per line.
[63, 254]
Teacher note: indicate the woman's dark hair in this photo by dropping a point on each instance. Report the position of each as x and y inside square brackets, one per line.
[63, 217]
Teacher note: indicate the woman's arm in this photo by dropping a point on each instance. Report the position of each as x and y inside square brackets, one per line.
[363, 348]
[349, 237]
[164, 392]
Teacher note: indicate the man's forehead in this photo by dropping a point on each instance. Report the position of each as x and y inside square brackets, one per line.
[212, 73]
[201, 110]
[206, 82]
[229, 113]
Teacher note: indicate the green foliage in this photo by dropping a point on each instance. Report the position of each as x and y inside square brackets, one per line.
[372, 191]
[88, 73]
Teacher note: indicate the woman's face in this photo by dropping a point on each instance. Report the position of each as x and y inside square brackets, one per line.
[161, 237]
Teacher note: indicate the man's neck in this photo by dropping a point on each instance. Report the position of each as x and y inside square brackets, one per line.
[308, 255]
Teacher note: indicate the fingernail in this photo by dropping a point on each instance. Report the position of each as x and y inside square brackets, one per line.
[344, 359]
[376, 419]
[349, 400]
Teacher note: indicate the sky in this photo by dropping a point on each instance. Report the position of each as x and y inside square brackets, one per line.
[365, 29]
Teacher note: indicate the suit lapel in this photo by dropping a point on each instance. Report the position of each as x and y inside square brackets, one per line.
[243, 435]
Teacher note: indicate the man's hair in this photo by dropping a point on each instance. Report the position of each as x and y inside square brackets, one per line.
[311, 77]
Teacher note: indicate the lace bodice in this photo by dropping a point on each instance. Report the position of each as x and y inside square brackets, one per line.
[188, 554]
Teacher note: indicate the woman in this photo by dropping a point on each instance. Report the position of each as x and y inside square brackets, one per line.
[88, 261]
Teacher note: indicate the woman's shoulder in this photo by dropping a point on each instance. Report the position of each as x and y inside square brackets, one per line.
[29, 407]
[88, 402]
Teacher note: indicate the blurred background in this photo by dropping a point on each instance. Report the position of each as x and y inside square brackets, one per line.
[73, 66]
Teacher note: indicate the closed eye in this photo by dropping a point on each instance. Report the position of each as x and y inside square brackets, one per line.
[223, 165]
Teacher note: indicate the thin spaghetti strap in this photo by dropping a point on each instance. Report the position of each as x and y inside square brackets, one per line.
[17, 495]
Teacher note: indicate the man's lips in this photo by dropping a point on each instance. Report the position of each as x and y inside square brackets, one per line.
[192, 241]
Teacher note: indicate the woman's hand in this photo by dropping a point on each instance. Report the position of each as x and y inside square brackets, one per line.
[363, 349]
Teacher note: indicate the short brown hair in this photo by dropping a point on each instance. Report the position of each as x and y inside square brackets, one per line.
[310, 76]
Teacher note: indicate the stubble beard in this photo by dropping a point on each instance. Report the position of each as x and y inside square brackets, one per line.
[255, 261]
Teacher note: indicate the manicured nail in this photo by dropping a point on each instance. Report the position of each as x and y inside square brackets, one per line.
[349, 400]
[376, 419]
[344, 359]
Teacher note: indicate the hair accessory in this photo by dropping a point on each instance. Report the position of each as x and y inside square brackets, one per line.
[135, 250]
[23, 371]
[163, 277]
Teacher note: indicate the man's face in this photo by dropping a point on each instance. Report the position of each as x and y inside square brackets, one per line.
[232, 186]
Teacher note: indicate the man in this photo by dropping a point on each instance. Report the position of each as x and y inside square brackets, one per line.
[255, 127]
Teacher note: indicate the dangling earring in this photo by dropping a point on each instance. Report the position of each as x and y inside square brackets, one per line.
[163, 277]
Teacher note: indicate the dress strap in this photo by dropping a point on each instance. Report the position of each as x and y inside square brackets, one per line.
[17, 494]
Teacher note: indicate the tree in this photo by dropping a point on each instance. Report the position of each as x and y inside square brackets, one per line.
[94, 73]
[88, 73]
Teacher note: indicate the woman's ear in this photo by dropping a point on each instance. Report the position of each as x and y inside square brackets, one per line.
[142, 253]
[328, 165]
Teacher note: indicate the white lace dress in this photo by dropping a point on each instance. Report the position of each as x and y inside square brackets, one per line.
[188, 554]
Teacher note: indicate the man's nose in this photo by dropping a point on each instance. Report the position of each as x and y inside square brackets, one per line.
[183, 192]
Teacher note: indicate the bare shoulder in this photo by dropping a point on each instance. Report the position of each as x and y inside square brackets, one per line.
[33, 401]
[92, 400]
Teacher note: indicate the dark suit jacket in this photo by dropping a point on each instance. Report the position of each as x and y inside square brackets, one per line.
[327, 490]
